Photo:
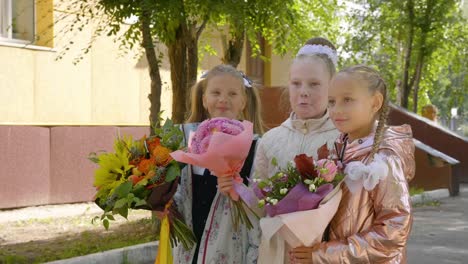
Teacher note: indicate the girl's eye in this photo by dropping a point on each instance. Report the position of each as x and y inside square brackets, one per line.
[331, 102]
[348, 99]
[313, 84]
[215, 92]
[295, 83]
[232, 94]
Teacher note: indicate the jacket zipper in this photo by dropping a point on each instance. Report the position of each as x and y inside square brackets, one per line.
[301, 148]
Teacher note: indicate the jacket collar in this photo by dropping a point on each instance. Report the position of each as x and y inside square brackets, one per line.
[306, 126]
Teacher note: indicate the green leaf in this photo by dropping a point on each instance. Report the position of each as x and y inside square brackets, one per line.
[94, 219]
[262, 184]
[110, 217]
[172, 172]
[124, 212]
[105, 222]
[274, 162]
[123, 189]
[140, 202]
[120, 203]
[130, 198]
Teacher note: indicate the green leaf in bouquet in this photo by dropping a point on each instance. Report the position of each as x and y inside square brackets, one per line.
[130, 197]
[338, 178]
[170, 134]
[120, 203]
[139, 202]
[140, 190]
[123, 189]
[123, 211]
[110, 217]
[172, 172]
[274, 162]
[105, 222]
[96, 218]
[262, 184]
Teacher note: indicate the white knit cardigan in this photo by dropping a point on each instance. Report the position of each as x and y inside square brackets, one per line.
[293, 137]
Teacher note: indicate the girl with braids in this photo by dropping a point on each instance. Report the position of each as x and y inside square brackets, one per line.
[374, 219]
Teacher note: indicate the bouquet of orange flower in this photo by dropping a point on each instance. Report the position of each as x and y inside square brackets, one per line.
[128, 177]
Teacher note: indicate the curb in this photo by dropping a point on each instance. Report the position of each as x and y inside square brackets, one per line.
[430, 196]
[139, 254]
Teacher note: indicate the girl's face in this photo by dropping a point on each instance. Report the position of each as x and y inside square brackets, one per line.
[352, 106]
[308, 88]
[224, 97]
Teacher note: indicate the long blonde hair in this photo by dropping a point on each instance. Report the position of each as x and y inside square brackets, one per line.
[251, 112]
[375, 83]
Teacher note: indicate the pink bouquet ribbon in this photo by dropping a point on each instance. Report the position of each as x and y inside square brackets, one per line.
[224, 157]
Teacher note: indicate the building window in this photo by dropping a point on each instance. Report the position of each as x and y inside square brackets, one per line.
[17, 21]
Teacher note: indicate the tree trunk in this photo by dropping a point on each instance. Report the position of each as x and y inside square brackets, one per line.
[153, 66]
[425, 28]
[192, 61]
[177, 52]
[233, 48]
[192, 56]
[417, 79]
[405, 87]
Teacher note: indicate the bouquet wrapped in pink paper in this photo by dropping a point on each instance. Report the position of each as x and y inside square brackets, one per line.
[300, 201]
[221, 145]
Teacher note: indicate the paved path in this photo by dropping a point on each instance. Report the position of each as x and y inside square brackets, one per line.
[440, 234]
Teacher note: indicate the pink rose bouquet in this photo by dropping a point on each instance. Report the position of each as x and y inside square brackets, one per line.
[222, 145]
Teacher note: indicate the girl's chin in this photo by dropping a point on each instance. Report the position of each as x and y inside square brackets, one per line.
[225, 115]
[311, 114]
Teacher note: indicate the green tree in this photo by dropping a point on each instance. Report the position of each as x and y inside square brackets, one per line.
[178, 25]
[285, 25]
[413, 42]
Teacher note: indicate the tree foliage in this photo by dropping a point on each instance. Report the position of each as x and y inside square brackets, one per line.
[178, 25]
[285, 25]
[419, 45]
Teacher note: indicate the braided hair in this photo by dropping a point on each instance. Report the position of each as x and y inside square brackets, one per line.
[375, 84]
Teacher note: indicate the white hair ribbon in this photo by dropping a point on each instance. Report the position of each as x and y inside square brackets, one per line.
[319, 49]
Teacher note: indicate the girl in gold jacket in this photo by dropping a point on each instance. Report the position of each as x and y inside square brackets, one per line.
[373, 221]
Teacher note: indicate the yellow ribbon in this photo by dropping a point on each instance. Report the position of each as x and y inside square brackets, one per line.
[164, 255]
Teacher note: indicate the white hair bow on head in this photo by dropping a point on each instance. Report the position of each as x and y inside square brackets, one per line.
[319, 49]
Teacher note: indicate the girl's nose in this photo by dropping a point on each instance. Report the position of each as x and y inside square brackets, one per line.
[223, 98]
[303, 92]
[335, 109]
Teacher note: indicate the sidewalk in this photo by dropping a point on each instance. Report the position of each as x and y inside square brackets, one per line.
[440, 234]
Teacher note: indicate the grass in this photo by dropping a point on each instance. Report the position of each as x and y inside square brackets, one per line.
[87, 242]
[415, 190]
[425, 202]
[432, 203]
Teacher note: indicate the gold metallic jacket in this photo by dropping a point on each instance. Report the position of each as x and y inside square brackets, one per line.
[373, 226]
